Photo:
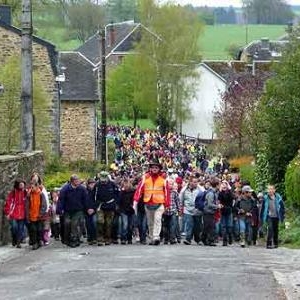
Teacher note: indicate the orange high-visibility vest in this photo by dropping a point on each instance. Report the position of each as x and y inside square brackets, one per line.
[154, 191]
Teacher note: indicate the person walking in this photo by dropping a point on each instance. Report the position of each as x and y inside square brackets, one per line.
[226, 201]
[35, 208]
[191, 215]
[14, 210]
[154, 191]
[107, 197]
[245, 207]
[272, 213]
[210, 207]
[126, 211]
[91, 219]
[73, 203]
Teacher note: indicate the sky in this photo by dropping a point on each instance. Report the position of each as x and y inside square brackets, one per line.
[221, 2]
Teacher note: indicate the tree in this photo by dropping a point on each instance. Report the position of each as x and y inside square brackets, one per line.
[10, 77]
[130, 91]
[233, 116]
[85, 18]
[267, 11]
[176, 28]
[121, 10]
[277, 116]
[233, 51]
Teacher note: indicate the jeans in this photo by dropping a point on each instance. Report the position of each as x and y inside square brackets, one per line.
[227, 222]
[91, 227]
[193, 227]
[245, 230]
[208, 229]
[142, 226]
[236, 229]
[126, 227]
[169, 227]
[272, 235]
[17, 230]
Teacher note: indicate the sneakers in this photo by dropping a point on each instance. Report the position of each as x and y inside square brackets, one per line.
[187, 242]
[123, 242]
[154, 243]
[35, 246]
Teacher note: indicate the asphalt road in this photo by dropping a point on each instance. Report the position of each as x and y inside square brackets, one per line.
[150, 272]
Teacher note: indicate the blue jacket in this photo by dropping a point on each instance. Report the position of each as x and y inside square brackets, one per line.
[73, 199]
[279, 204]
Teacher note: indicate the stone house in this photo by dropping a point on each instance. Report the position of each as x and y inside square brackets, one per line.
[44, 64]
[263, 50]
[80, 90]
[78, 100]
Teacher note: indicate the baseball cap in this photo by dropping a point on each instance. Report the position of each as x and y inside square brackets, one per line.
[247, 188]
[103, 175]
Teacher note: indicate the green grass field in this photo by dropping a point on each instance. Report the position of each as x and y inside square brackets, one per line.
[216, 39]
[143, 123]
[213, 42]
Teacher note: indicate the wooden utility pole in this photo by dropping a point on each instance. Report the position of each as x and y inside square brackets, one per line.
[26, 86]
[103, 97]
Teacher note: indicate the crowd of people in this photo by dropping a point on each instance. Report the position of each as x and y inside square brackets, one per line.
[159, 189]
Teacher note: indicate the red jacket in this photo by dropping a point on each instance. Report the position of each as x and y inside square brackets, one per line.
[15, 205]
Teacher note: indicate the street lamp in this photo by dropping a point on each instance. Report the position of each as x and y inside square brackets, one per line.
[60, 78]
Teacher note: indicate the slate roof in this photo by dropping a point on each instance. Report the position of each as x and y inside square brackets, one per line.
[266, 50]
[226, 69]
[80, 80]
[124, 37]
[53, 54]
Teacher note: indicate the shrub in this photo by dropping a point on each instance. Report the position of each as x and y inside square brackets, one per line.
[58, 179]
[55, 164]
[247, 173]
[238, 162]
[262, 176]
[292, 183]
[290, 235]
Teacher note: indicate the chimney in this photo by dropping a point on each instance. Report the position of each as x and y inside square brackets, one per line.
[112, 36]
[265, 43]
[5, 14]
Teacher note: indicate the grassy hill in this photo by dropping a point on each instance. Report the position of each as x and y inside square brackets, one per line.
[216, 39]
[213, 42]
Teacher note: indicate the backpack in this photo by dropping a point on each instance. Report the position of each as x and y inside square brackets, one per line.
[200, 200]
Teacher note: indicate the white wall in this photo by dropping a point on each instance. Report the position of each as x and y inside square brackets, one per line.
[207, 97]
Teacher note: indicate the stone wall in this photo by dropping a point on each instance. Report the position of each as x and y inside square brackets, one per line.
[78, 130]
[12, 167]
[44, 57]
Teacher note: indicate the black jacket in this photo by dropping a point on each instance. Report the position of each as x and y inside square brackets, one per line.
[126, 202]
